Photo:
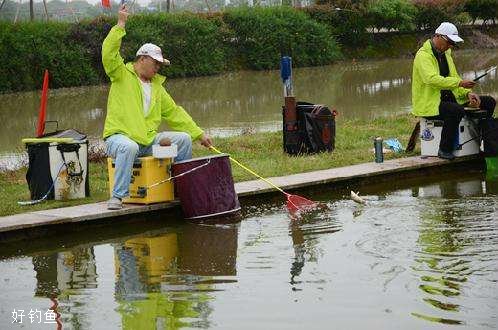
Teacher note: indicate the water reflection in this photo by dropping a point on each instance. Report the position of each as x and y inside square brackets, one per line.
[58, 273]
[164, 279]
[208, 250]
[454, 220]
[141, 265]
[235, 102]
[142, 262]
[422, 253]
[305, 232]
[298, 244]
[62, 277]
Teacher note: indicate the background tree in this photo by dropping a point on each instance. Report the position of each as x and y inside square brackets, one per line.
[392, 14]
[482, 9]
[430, 13]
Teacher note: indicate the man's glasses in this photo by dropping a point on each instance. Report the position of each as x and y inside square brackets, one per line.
[449, 41]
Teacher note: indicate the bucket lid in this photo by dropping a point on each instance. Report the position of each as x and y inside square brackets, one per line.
[47, 140]
[201, 158]
[68, 133]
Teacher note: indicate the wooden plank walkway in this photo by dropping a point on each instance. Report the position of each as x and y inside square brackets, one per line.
[97, 211]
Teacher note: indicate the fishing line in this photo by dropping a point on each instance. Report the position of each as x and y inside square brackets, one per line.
[294, 202]
[36, 201]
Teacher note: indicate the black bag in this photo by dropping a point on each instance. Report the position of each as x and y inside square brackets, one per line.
[315, 131]
[489, 129]
[38, 175]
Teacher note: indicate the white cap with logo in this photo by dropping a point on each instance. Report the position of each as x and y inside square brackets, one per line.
[449, 30]
[154, 52]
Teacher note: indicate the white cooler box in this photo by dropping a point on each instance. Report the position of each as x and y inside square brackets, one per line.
[58, 168]
[430, 136]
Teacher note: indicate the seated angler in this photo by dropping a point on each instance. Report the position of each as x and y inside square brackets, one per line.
[438, 92]
[136, 106]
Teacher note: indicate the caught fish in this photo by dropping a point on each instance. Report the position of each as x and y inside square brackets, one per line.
[357, 198]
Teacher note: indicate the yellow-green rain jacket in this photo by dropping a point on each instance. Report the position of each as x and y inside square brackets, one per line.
[125, 106]
[427, 83]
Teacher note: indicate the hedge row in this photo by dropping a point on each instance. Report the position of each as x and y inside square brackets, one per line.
[200, 44]
[195, 44]
[261, 35]
[27, 49]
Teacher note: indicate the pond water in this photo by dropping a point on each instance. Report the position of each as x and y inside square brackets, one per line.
[243, 101]
[421, 254]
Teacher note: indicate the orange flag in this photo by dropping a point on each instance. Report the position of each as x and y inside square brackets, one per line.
[106, 3]
[40, 127]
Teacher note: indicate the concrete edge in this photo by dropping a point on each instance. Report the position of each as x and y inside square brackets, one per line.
[344, 174]
[96, 211]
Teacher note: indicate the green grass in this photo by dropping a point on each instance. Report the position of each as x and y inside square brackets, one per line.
[261, 152]
[15, 188]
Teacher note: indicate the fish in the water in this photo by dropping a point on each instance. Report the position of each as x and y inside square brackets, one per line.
[357, 198]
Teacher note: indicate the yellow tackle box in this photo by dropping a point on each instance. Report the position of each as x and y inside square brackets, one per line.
[146, 172]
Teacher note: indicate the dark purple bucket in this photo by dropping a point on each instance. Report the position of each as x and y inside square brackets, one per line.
[205, 187]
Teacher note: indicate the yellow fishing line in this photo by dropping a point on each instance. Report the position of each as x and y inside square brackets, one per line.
[250, 171]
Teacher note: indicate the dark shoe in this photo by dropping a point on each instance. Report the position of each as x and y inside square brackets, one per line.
[445, 155]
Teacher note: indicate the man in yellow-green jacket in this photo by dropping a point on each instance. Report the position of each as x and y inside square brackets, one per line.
[438, 92]
[136, 106]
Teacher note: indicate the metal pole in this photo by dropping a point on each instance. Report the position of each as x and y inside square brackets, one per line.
[207, 5]
[3, 1]
[31, 10]
[17, 11]
[45, 7]
[72, 11]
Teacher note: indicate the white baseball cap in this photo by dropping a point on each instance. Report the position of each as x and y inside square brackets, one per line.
[449, 30]
[154, 52]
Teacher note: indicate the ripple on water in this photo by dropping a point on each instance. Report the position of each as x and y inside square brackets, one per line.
[457, 243]
[449, 242]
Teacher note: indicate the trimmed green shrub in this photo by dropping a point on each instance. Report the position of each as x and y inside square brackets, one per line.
[262, 35]
[197, 45]
[72, 52]
[30, 48]
[193, 44]
[90, 35]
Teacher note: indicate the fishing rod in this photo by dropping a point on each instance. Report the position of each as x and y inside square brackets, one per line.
[44, 197]
[478, 136]
[491, 69]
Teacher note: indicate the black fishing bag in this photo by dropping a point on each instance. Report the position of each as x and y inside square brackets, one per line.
[313, 132]
[489, 129]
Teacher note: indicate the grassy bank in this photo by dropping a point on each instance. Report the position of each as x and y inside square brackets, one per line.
[261, 152]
